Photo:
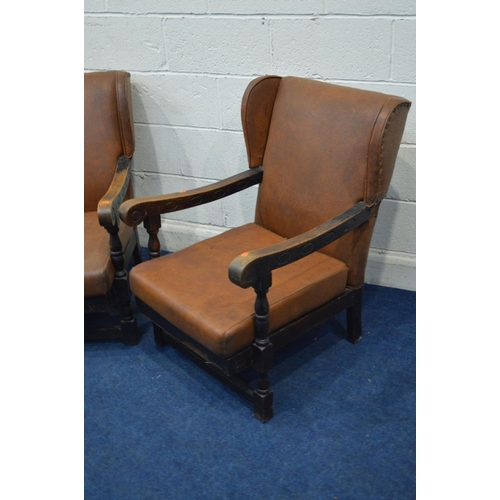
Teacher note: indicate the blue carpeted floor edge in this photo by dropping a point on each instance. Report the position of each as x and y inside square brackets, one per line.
[159, 427]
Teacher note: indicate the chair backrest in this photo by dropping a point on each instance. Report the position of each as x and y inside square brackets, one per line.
[323, 148]
[109, 130]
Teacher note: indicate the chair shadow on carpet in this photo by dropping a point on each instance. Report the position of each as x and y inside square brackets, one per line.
[294, 357]
[321, 357]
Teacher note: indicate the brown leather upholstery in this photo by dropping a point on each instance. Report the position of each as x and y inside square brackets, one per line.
[324, 156]
[323, 149]
[109, 133]
[328, 148]
[108, 147]
[191, 290]
[109, 130]
[99, 272]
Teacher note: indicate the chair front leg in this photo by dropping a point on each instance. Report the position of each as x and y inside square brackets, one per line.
[263, 351]
[153, 225]
[128, 323]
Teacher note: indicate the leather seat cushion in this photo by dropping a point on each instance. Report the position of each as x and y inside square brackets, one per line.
[99, 271]
[191, 289]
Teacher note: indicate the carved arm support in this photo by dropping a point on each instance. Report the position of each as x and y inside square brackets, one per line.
[107, 209]
[246, 269]
[107, 213]
[134, 211]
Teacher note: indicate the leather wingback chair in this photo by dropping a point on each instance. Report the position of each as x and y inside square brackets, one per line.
[108, 245]
[323, 156]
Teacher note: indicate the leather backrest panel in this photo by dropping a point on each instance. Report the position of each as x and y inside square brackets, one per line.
[328, 148]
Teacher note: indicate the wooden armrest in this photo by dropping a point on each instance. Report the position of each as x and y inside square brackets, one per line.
[107, 208]
[135, 210]
[245, 269]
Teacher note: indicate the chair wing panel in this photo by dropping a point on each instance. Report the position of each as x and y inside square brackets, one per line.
[256, 111]
[125, 112]
[108, 130]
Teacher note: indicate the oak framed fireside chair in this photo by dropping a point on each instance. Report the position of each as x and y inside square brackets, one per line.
[108, 244]
[323, 156]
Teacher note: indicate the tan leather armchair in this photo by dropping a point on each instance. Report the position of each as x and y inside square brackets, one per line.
[108, 245]
[323, 156]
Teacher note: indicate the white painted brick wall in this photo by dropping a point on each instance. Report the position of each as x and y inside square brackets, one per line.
[222, 46]
[351, 48]
[133, 42]
[190, 62]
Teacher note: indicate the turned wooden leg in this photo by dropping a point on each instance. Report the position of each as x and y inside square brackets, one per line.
[263, 351]
[130, 331]
[136, 255]
[152, 225]
[128, 323]
[354, 329]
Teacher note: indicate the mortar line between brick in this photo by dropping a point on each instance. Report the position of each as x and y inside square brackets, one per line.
[255, 75]
[271, 48]
[391, 66]
[395, 200]
[179, 176]
[218, 103]
[178, 154]
[164, 36]
[248, 16]
[189, 127]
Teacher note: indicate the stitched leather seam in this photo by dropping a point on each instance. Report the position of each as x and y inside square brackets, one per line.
[372, 138]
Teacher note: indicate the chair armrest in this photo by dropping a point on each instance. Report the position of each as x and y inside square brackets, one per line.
[107, 208]
[245, 269]
[135, 210]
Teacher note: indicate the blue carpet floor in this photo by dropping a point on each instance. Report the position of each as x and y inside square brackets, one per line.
[158, 427]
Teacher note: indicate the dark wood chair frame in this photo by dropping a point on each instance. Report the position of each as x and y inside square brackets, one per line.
[119, 298]
[253, 269]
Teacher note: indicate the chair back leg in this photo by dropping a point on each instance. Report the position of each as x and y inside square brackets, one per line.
[128, 322]
[354, 328]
